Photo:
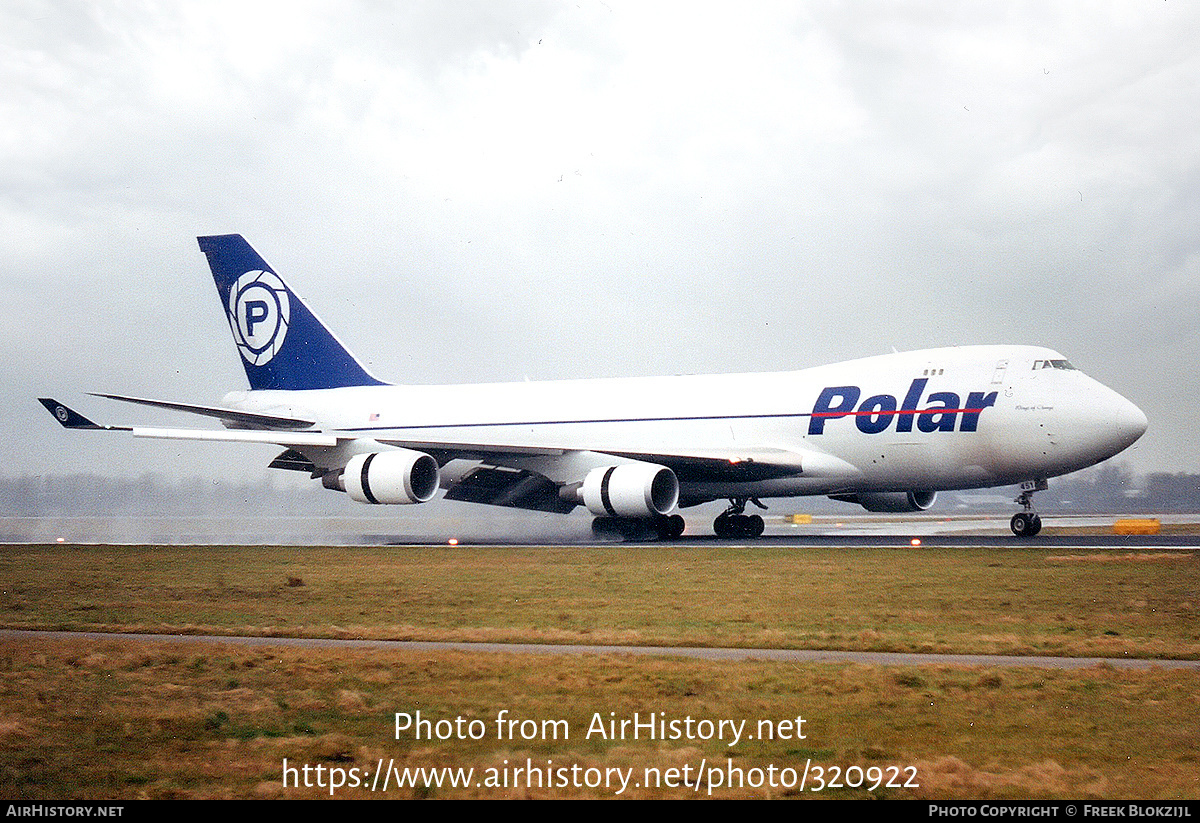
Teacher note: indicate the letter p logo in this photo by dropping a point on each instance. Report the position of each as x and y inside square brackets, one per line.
[259, 315]
[256, 312]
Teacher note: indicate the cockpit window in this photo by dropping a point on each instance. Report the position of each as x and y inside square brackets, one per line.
[1065, 365]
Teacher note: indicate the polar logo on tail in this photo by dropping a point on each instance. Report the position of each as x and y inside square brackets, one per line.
[259, 313]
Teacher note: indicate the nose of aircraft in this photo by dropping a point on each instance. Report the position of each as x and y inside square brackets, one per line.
[1130, 423]
[1097, 423]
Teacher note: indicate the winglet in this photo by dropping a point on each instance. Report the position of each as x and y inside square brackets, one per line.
[69, 418]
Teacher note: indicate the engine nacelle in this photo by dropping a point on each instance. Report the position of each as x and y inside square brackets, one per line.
[630, 490]
[400, 476]
[892, 501]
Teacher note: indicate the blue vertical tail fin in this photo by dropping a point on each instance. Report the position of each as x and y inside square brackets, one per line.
[282, 343]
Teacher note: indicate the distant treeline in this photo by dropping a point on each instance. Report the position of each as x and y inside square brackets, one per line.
[1116, 489]
[1108, 488]
[87, 495]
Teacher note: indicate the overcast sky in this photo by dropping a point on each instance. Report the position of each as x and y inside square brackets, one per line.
[479, 191]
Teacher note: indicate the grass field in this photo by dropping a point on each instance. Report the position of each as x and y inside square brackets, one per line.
[120, 719]
[994, 600]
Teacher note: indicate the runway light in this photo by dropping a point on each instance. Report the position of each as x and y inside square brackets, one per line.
[453, 541]
[916, 541]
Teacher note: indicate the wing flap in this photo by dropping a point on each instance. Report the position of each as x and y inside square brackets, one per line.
[497, 486]
[240, 436]
[292, 460]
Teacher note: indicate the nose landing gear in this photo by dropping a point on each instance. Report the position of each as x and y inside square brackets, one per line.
[1027, 523]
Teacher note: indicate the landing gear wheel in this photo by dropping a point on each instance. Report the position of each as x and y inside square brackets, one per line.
[723, 526]
[754, 526]
[732, 524]
[1025, 524]
[669, 528]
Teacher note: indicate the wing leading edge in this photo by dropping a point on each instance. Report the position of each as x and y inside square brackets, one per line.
[230, 417]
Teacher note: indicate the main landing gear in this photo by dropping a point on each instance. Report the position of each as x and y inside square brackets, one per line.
[733, 522]
[1027, 523]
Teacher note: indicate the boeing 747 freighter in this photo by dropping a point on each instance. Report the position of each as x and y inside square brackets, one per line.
[885, 432]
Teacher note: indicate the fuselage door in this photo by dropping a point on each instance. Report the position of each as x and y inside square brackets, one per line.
[998, 375]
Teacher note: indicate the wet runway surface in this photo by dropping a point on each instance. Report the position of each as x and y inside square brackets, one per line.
[531, 529]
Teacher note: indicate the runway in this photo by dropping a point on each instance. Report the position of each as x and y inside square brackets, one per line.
[512, 528]
[1080, 532]
[785, 655]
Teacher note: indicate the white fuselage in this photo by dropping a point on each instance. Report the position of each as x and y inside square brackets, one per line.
[936, 419]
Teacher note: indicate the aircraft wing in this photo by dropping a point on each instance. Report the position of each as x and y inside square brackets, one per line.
[520, 476]
[712, 464]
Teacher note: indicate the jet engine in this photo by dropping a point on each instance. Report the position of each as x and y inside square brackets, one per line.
[890, 501]
[630, 490]
[400, 476]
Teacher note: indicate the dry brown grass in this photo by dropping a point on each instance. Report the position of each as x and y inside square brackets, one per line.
[115, 719]
[125, 720]
[1131, 557]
